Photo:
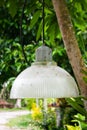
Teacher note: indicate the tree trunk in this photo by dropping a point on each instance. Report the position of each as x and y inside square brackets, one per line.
[71, 44]
[18, 103]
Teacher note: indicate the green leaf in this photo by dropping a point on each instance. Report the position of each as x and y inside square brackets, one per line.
[78, 7]
[85, 79]
[81, 121]
[12, 7]
[1, 3]
[70, 127]
[76, 106]
[51, 32]
[35, 19]
[39, 31]
[48, 11]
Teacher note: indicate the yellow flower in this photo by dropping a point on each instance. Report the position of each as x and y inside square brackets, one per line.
[69, 127]
[36, 112]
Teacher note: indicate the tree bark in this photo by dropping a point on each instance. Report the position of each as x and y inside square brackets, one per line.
[71, 44]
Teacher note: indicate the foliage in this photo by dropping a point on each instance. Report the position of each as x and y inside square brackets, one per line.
[41, 118]
[48, 121]
[45, 120]
[7, 87]
[29, 103]
[16, 55]
[77, 104]
[69, 127]
[80, 119]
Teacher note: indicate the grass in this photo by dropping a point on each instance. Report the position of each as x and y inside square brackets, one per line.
[12, 109]
[22, 122]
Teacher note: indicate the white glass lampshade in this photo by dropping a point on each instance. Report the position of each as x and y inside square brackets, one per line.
[44, 79]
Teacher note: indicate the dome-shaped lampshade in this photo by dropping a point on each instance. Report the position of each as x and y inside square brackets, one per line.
[44, 79]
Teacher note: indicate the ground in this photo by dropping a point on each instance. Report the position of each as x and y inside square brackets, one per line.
[6, 115]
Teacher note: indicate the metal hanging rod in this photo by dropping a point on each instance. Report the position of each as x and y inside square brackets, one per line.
[43, 4]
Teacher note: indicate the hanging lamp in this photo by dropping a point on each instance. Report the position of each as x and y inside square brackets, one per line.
[44, 79]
